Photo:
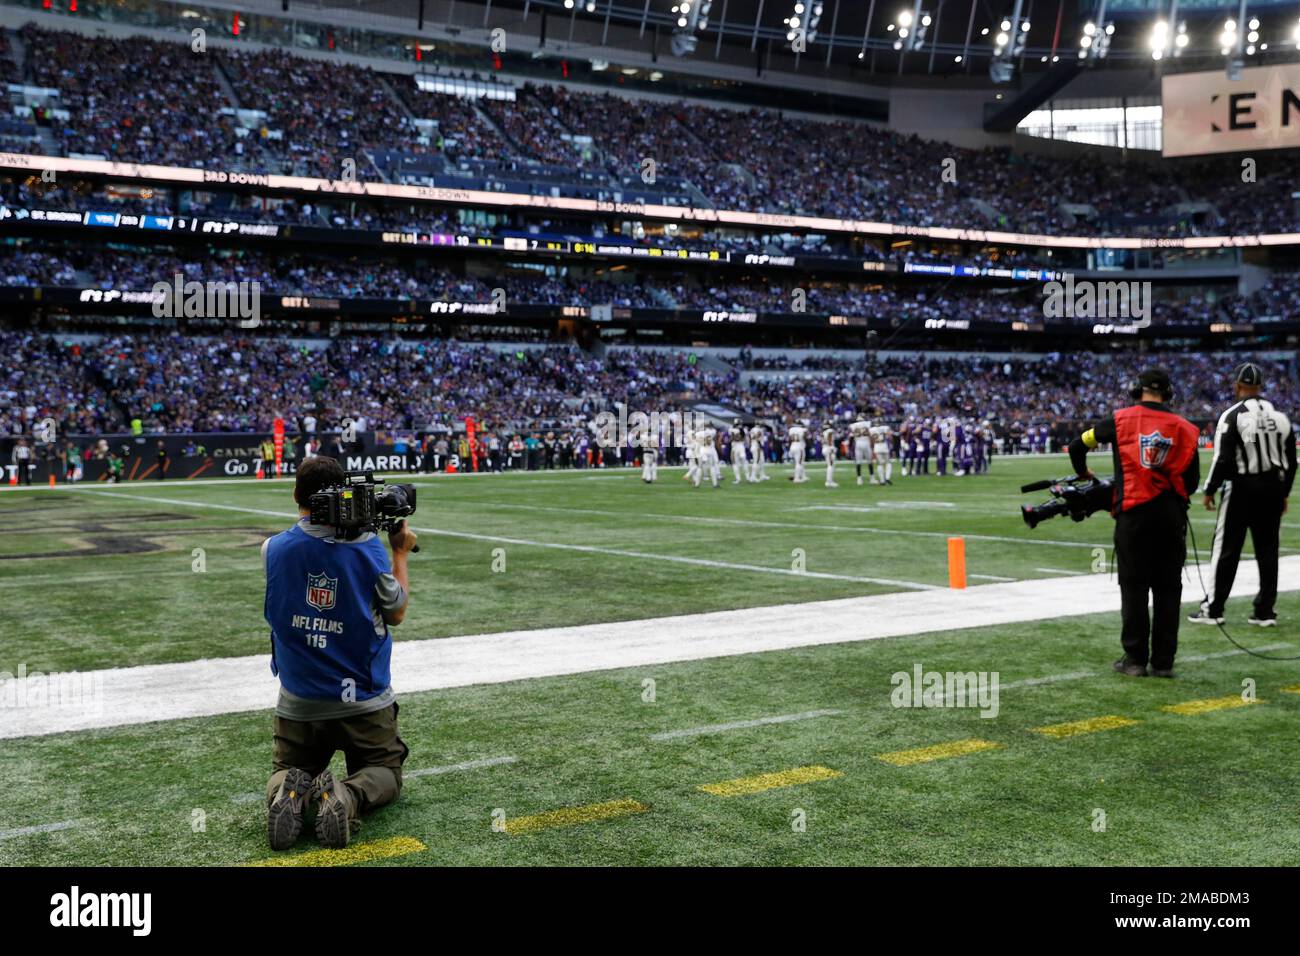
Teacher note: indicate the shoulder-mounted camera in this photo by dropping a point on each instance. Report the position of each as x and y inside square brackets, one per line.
[362, 503]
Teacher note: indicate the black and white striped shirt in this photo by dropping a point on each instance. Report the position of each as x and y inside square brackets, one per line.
[1253, 438]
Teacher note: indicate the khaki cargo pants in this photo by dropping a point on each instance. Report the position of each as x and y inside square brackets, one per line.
[370, 744]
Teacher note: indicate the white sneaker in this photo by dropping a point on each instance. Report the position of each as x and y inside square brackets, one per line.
[1203, 617]
[1263, 621]
[859, 481]
[832, 484]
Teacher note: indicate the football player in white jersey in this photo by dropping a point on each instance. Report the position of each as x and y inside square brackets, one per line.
[880, 438]
[828, 453]
[692, 457]
[708, 454]
[757, 471]
[797, 434]
[649, 458]
[737, 451]
[861, 434]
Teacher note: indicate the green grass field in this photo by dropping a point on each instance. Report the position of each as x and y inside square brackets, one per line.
[103, 577]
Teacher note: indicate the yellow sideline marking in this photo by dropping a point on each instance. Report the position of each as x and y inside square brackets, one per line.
[957, 748]
[571, 816]
[769, 781]
[1089, 726]
[358, 853]
[1190, 707]
[1293, 689]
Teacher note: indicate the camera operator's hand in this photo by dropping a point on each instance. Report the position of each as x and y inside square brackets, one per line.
[1087, 476]
[1209, 502]
[402, 539]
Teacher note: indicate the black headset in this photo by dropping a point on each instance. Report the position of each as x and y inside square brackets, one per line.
[1136, 388]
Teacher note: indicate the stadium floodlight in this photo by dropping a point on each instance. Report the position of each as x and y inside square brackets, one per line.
[692, 17]
[912, 26]
[1238, 40]
[1008, 43]
[1094, 43]
[1168, 36]
[801, 25]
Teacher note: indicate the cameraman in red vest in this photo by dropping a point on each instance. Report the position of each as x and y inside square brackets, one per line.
[1156, 471]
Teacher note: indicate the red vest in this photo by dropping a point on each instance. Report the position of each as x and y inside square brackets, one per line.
[1153, 448]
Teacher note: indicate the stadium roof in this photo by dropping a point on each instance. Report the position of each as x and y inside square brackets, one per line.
[855, 35]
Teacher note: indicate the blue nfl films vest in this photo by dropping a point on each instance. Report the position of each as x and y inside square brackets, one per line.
[319, 598]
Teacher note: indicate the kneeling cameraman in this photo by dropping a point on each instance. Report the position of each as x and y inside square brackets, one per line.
[330, 601]
[1156, 471]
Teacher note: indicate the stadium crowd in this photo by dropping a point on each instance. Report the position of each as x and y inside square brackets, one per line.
[390, 278]
[176, 383]
[125, 103]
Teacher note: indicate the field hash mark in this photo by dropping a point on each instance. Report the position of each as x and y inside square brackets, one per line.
[1190, 708]
[358, 853]
[759, 783]
[956, 748]
[572, 816]
[1090, 726]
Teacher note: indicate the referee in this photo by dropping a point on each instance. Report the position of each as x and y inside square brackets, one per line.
[1156, 471]
[1255, 464]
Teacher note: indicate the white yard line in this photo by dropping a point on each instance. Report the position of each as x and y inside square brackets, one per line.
[1083, 675]
[1059, 571]
[164, 692]
[753, 523]
[559, 546]
[458, 767]
[990, 577]
[742, 724]
[38, 828]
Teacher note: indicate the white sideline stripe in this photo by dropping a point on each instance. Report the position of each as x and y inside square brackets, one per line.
[1058, 571]
[751, 523]
[38, 828]
[457, 767]
[205, 688]
[990, 577]
[559, 546]
[741, 724]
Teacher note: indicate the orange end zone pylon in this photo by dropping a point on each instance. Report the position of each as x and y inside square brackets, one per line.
[957, 563]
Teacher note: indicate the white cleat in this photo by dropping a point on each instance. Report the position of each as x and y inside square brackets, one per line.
[832, 484]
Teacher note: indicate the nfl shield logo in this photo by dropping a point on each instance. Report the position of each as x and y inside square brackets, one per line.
[1154, 449]
[321, 591]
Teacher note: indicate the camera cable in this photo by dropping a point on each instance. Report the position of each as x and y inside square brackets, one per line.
[1205, 593]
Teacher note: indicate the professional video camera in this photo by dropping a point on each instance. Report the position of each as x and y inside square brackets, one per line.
[360, 504]
[1074, 496]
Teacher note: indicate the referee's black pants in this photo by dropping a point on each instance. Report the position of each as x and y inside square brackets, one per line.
[1250, 503]
[1150, 548]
